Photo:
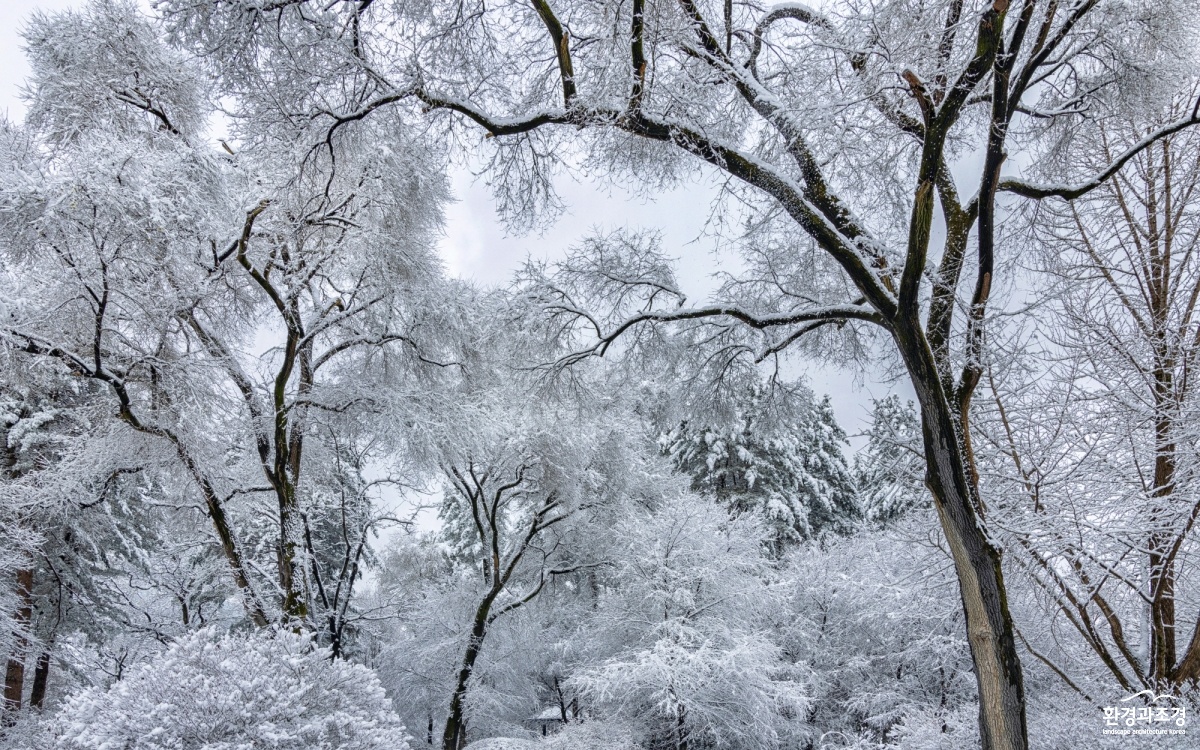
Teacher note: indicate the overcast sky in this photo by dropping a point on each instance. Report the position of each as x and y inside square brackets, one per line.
[477, 247]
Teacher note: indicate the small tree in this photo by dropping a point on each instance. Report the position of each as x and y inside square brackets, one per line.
[525, 496]
[688, 611]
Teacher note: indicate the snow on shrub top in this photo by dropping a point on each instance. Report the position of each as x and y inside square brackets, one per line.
[587, 735]
[227, 692]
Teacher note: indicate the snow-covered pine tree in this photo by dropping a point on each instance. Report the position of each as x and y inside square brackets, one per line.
[889, 471]
[777, 452]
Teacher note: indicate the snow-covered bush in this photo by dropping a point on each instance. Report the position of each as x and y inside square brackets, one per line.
[586, 735]
[503, 743]
[229, 692]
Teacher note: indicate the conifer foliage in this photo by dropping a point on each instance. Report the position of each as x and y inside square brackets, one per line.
[778, 454]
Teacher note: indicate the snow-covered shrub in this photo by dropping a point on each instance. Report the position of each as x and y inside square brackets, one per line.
[229, 692]
[876, 620]
[585, 735]
[503, 743]
[932, 728]
[591, 735]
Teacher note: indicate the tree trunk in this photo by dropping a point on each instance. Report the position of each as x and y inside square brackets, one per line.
[454, 736]
[41, 677]
[1161, 562]
[681, 738]
[1162, 613]
[293, 602]
[14, 674]
[990, 630]
[216, 512]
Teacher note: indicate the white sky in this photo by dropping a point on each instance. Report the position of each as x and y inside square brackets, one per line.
[477, 247]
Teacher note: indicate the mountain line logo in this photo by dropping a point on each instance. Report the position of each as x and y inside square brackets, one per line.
[1156, 714]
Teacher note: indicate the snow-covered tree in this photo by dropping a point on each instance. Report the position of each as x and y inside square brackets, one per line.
[779, 454]
[1094, 426]
[82, 539]
[234, 305]
[880, 638]
[525, 481]
[696, 662]
[890, 471]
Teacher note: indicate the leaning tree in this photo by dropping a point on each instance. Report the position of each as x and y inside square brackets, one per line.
[848, 129]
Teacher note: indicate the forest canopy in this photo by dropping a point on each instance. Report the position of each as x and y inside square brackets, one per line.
[272, 476]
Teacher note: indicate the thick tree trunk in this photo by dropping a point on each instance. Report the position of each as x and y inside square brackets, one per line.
[1162, 613]
[454, 737]
[990, 630]
[293, 603]
[14, 673]
[1188, 670]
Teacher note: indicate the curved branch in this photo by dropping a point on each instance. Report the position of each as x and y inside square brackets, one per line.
[1071, 192]
[819, 316]
[792, 11]
[851, 250]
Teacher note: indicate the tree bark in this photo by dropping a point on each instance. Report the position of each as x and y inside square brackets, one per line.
[990, 631]
[41, 678]
[1162, 564]
[455, 734]
[14, 673]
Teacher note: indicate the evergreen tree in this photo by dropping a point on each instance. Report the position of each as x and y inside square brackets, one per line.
[890, 469]
[777, 452]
